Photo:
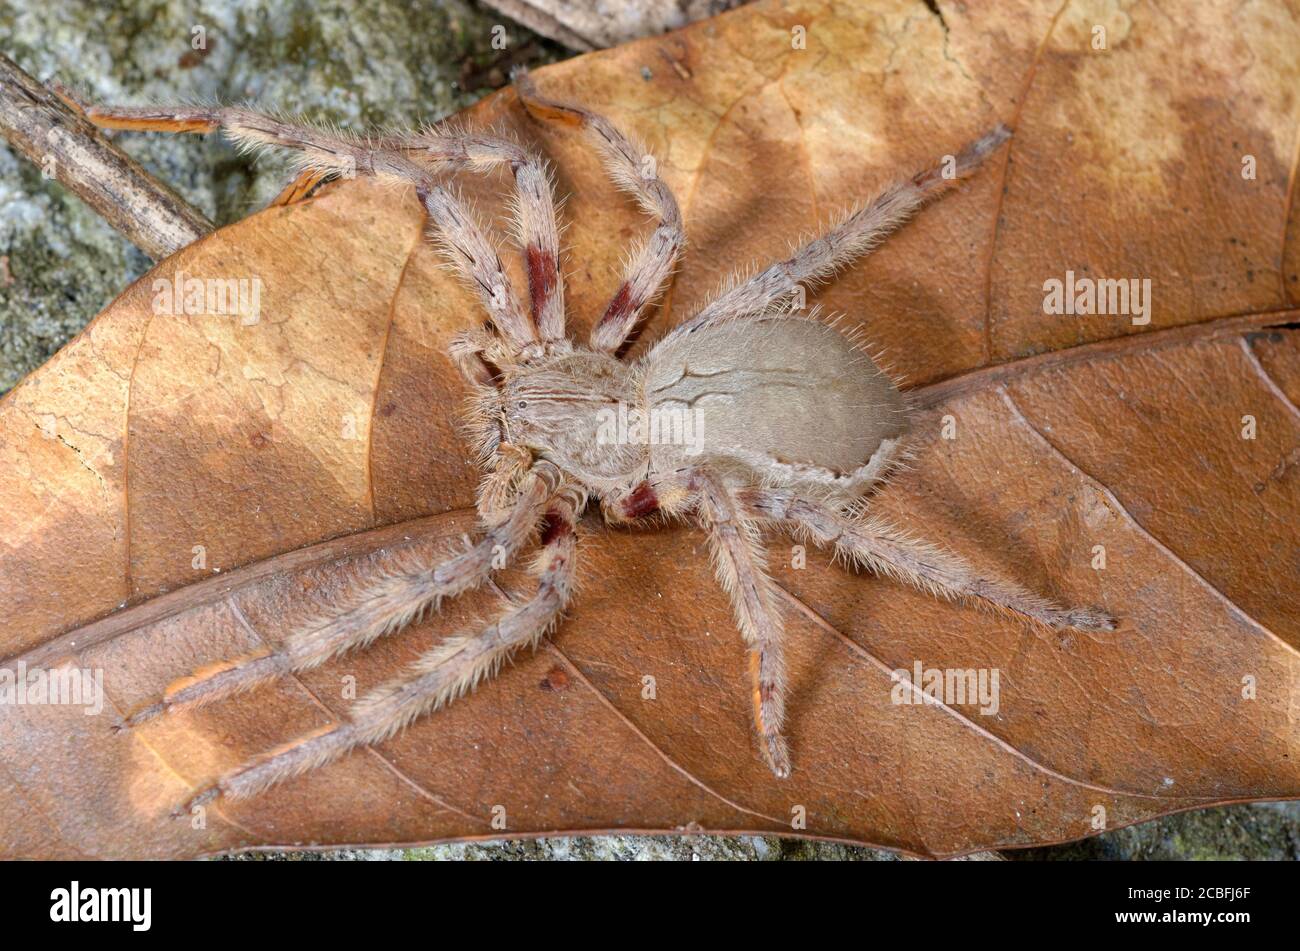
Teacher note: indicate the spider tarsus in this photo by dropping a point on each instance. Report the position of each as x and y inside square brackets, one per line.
[985, 145]
[205, 795]
[143, 715]
[964, 162]
[777, 754]
[1085, 620]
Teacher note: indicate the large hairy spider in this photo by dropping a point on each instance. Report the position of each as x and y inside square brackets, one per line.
[792, 425]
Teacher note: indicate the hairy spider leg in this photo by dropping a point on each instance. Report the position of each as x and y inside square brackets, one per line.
[740, 564]
[858, 233]
[324, 153]
[438, 677]
[874, 544]
[633, 169]
[369, 605]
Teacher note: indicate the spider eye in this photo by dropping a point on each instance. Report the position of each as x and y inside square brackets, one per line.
[523, 404]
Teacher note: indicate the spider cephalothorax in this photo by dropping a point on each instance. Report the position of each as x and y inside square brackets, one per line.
[746, 416]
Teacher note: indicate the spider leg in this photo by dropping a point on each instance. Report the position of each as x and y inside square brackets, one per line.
[371, 606]
[322, 153]
[325, 154]
[532, 211]
[740, 563]
[632, 168]
[858, 233]
[435, 679]
[872, 543]
[463, 242]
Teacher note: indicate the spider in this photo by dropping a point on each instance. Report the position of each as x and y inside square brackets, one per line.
[795, 423]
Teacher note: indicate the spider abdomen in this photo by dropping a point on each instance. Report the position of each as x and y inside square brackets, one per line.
[792, 400]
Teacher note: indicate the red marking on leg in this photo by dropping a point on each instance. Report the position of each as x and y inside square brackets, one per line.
[542, 278]
[641, 502]
[555, 526]
[619, 308]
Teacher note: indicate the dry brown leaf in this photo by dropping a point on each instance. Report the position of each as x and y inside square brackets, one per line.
[150, 435]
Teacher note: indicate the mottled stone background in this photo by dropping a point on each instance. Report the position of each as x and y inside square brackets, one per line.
[360, 63]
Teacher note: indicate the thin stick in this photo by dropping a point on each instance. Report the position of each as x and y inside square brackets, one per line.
[43, 128]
